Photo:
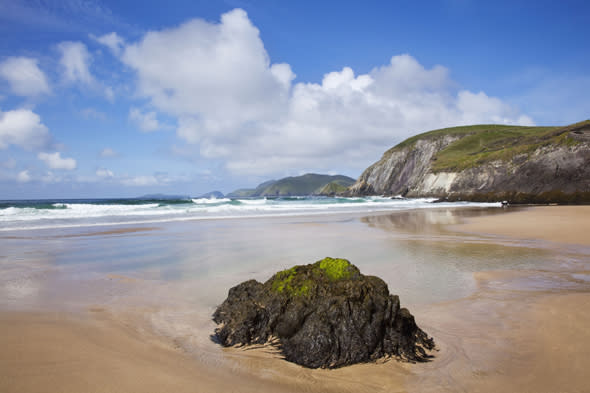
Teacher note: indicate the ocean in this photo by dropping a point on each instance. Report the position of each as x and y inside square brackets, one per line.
[71, 213]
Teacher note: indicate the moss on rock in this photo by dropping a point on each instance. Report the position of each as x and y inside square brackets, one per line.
[336, 268]
[325, 314]
[299, 280]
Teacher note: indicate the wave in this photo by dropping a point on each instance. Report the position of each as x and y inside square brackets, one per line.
[210, 201]
[15, 215]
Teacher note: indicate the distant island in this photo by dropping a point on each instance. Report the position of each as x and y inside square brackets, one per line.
[486, 163]
[211, 195]
[308, 184]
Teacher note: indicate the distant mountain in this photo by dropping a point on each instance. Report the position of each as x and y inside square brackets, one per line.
[335, 187]
[486, 163]
[211, 195]
[309, 184]
[251, 192]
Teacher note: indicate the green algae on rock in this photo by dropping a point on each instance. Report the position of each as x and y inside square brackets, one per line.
[326, 314]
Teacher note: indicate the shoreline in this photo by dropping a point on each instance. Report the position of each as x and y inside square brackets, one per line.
[99, 349]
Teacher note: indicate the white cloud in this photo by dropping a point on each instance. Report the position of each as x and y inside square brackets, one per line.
[51, 178]
[107, 152]
[112, 41]
[104, 173]
[146, 121]
[215, 76]
[75, 60]
[217, 80]
[24, 76]
[477, 106]
[55, 161]
[23, 177]
[22, 127]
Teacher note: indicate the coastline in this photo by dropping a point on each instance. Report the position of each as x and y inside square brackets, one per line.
[100, 350]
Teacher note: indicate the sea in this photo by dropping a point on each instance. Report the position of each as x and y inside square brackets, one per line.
[71, 213]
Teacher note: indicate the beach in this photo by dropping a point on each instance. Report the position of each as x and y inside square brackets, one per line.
[128, 308]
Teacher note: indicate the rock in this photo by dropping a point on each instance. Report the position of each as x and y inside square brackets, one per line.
[325, 314]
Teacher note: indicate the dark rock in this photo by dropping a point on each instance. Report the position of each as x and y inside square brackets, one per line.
[325, 314]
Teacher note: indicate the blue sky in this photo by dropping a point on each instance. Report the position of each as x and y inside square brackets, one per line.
[120, 98]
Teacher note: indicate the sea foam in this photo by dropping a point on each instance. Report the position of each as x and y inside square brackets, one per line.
[18, 215]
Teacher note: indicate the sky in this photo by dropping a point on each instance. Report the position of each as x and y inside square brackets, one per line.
[102, 99]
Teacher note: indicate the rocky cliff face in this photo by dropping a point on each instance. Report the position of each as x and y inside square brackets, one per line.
[487, 163]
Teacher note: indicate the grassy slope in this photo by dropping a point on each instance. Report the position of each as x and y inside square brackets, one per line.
[485, 143]
[308, 184]
[335, 187]
[303, 185]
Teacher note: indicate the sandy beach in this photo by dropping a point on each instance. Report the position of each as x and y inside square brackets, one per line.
[559, 224]
[537, 334]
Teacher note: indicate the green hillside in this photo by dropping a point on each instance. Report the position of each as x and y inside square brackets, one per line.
[309, 184]
[480, 144]
[335, 187]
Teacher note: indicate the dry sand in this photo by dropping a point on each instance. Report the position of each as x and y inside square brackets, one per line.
[492, 341]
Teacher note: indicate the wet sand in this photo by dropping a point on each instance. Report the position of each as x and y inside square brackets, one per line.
[46, 352]
[560, 224]
[552, 349]
[96, 352]
[503, 337]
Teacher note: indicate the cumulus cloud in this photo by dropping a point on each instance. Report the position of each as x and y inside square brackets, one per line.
[55, 161]
[477, 106]
[24, 76]
[217, 80]
[23, 177]
[146, 121]
[217, 77]
[75, 60]
[22, 127]
[112, 41]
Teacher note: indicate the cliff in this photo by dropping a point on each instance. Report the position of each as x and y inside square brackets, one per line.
[486, 163]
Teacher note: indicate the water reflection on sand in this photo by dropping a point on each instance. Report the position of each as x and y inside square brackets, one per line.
[457, 285]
